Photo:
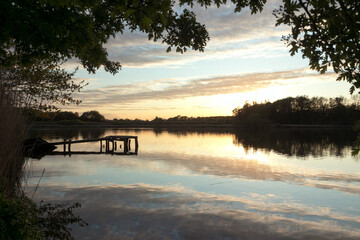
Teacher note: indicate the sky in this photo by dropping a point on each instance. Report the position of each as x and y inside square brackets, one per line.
[245, 60]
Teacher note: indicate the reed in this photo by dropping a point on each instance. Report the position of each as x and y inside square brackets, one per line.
[12, 134]
[20, 217]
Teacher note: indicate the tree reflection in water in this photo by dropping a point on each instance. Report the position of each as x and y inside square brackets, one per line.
[300, 142]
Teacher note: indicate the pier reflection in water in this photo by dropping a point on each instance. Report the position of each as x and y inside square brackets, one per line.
[211, 184]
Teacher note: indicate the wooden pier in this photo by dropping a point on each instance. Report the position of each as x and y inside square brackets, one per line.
[108, 145]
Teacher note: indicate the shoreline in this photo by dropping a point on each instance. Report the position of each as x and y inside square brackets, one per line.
[52, 124]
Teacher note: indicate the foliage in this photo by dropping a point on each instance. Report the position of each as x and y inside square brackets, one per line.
[41, 115]
[38, 36]
[66, 115]
[356, 145]
[70, 118]
[327, 33]
[255, 120]
[54, 220]
[40, 84]
[18, 219]
[60, 30]
[22, 219]
[301, 110]
[92, 116]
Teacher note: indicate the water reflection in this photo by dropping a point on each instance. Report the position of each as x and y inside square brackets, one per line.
[74, 133]
[78, 132]
[297, 141]
[200, 185]
[229, 169]
[143, 211]
[184, 131]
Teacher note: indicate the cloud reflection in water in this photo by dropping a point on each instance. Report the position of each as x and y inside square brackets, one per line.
[144, 211]
[179, 164]
[203, 186]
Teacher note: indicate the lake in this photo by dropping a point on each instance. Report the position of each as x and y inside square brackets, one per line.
[207, 184]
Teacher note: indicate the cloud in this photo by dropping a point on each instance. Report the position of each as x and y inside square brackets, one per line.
[172, 89]
[225, 26]
[230, 32]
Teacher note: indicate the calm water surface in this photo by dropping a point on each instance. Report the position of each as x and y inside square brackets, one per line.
[278, 184]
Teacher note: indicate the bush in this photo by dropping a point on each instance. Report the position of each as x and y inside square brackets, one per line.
[54, 220]
[22, 219]
[18, 219]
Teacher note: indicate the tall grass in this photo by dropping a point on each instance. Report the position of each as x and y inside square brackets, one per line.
[20, 217]
[12, 134]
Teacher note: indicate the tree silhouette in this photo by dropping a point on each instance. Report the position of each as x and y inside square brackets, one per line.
[327, 33]
[299, 110]
[66, 115]
[92, 116]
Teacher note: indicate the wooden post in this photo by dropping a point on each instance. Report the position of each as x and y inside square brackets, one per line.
[64, 146]
[112, 146]
[126, 146]
[115, 145]
[129, 144]
[101, 146]
[69, 147]
[136, 146]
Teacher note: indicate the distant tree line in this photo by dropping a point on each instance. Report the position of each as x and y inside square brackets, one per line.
[299, 110]
[290, 110]
[182, 120]
[38, 115]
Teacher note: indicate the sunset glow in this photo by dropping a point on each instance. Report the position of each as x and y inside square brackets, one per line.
[245, 60]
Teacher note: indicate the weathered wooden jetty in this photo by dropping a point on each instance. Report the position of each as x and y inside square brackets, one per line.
[108, 145]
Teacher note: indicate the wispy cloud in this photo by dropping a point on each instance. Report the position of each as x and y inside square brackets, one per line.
[231, 33]
[170, 89]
